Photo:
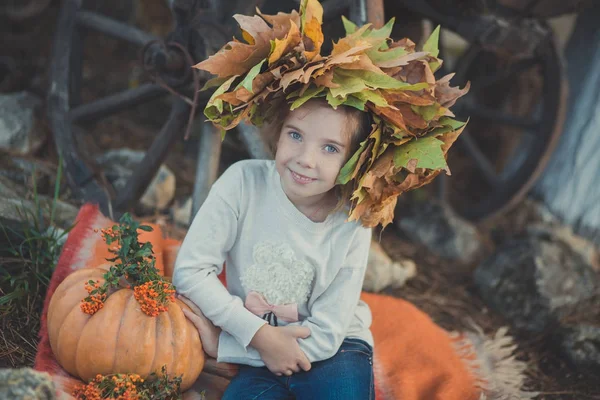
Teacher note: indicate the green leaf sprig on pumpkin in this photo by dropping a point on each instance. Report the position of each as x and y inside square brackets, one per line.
[130, 387]
[134, 268]
[280, 63]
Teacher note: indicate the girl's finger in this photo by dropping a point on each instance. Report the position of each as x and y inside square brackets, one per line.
[190, 315]
[189, 303]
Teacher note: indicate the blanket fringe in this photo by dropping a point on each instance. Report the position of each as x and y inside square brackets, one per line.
[491, 361]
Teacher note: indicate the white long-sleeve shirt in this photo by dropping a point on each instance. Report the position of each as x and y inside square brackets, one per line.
[273, 249]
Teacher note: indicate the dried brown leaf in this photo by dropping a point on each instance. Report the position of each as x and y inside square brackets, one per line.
[409, 97]
[404, 60]
[416, 72]
[281, 21]
[410, 117]
[447, 95]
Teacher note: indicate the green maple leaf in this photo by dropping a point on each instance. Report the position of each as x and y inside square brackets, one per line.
[215, 106]
[247, 82]
[431, 45]
[349, 26]
[308, 94]
[355, 102]
[373, 96]
[348, 169]
[425, 152]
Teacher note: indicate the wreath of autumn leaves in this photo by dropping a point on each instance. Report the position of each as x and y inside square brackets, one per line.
[279, 61]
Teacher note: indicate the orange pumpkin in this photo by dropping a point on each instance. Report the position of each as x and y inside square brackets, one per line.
[120, 338]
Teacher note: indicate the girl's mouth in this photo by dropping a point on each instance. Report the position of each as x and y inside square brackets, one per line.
[301, 179]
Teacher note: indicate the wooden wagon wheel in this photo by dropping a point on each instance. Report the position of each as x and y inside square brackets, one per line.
[167, 59]
[65, 112]
[516, 109]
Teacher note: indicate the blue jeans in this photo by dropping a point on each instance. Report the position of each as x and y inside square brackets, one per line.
[348, 375]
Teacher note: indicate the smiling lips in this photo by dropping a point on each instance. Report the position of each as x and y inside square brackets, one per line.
[301, 179]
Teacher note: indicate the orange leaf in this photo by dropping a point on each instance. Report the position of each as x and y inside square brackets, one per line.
[351, 41]
[291, 77]
[390, 115]
[404, 60]
[409, 97]
[365, 63]
[314, 34]
[326, 79]
[309, 72]
[283, 46]
[313, 10]
[345, 57]
[237, 58]
[247, 37]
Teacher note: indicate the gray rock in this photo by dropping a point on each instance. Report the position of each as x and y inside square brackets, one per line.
[581, 344]
[26, 384]
[15, 208]
[535, 282]
[22, 169]
[383, 272]
[118, 165]
[20, 131]
[182, 213]
[444, 233]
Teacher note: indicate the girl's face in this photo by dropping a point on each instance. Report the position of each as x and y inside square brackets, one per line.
[311, 150]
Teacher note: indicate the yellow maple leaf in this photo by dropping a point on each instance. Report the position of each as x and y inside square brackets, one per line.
[314, 34]
[283, 46]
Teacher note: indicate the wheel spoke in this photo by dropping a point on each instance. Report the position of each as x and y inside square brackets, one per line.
[499, 117]
[480, 159]
[515, 68]
[146, 169]
[116, 103]
[333, 8]
[76, 74]
[114, 28]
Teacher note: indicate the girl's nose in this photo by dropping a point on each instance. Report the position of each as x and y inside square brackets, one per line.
[307, 158]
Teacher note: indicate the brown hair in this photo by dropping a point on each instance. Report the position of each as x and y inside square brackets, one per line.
[358, 127]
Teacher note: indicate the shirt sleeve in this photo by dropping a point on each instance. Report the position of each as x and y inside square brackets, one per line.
[202, 254]
[331, 314]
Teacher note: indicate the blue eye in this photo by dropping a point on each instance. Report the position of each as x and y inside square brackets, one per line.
[331, 149]
[295, 135]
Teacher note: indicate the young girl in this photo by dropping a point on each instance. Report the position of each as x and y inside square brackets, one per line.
[355, 129]
[291, 311]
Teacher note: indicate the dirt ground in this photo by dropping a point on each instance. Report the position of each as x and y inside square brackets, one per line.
[445, 293]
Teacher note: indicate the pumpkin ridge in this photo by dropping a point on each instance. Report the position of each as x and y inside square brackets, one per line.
[59, 334]
[156, 332]
[172, 333]
[173, 354]
[119, 329]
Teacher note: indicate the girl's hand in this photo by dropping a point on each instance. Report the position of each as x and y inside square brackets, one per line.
[209, 334]
[279, 349]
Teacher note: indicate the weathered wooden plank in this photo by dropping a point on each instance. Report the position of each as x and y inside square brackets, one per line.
[570, 185]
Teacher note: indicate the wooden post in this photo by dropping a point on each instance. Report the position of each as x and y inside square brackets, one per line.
[207, 166]
[570, 185]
